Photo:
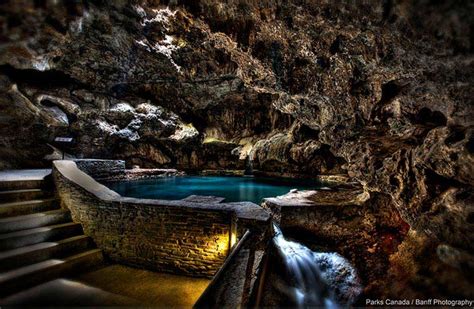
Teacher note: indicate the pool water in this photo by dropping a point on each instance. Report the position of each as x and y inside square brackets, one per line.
[233, 189]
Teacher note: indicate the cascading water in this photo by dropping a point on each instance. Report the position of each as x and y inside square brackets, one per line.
[249, 165]
[318, 279]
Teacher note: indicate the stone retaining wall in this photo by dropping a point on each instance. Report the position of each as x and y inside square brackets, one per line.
[101, 169]
[169, 236]
[325, 214]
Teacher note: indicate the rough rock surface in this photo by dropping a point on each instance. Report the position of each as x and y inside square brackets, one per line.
[364, 228]
[379, 90]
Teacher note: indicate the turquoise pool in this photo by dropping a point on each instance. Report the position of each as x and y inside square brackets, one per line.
[233, 189]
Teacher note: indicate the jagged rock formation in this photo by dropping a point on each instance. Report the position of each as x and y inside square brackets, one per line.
[379, 90]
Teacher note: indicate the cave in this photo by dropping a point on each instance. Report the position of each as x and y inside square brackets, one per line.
[236, 154]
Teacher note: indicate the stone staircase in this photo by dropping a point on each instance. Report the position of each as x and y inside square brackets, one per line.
[38, 240]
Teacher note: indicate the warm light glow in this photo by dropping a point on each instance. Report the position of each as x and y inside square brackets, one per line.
[221, 245]
[233, 239]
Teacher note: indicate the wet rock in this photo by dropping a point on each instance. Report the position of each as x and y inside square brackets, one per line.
[121, 114]
[295, 88]
[57, 116]
[340, 276]
[185, 133]
[68, 106]
[455, 257]
[334, 280]
[415, 277]
[364, 228]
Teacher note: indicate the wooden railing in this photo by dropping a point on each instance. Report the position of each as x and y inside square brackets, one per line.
[218, 289]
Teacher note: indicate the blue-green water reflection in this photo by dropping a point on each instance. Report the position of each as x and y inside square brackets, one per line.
[233, 189]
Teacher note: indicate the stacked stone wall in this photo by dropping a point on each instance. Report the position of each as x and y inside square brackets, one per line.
[185, 239]
[101, 169]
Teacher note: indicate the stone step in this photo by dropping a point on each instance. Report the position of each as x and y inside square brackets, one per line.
[18, 223]
[21, 278]
[25, 179]
[41, 234]
[43, 251]
[204, 199]
[68, 293]
[27, 207]
[22, 184]
[23, 195]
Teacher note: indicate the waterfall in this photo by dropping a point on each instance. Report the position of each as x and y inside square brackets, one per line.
[249, 161]
[248, 166]
[316, 276]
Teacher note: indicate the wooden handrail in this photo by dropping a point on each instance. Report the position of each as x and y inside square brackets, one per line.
[204, 299]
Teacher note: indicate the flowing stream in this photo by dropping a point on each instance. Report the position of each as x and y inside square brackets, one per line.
[249, 165]
[316, 277]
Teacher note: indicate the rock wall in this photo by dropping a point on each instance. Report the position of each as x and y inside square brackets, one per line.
[365, 229]
[391, 257]
[167, 238]
[378, 90]
[101, 168]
